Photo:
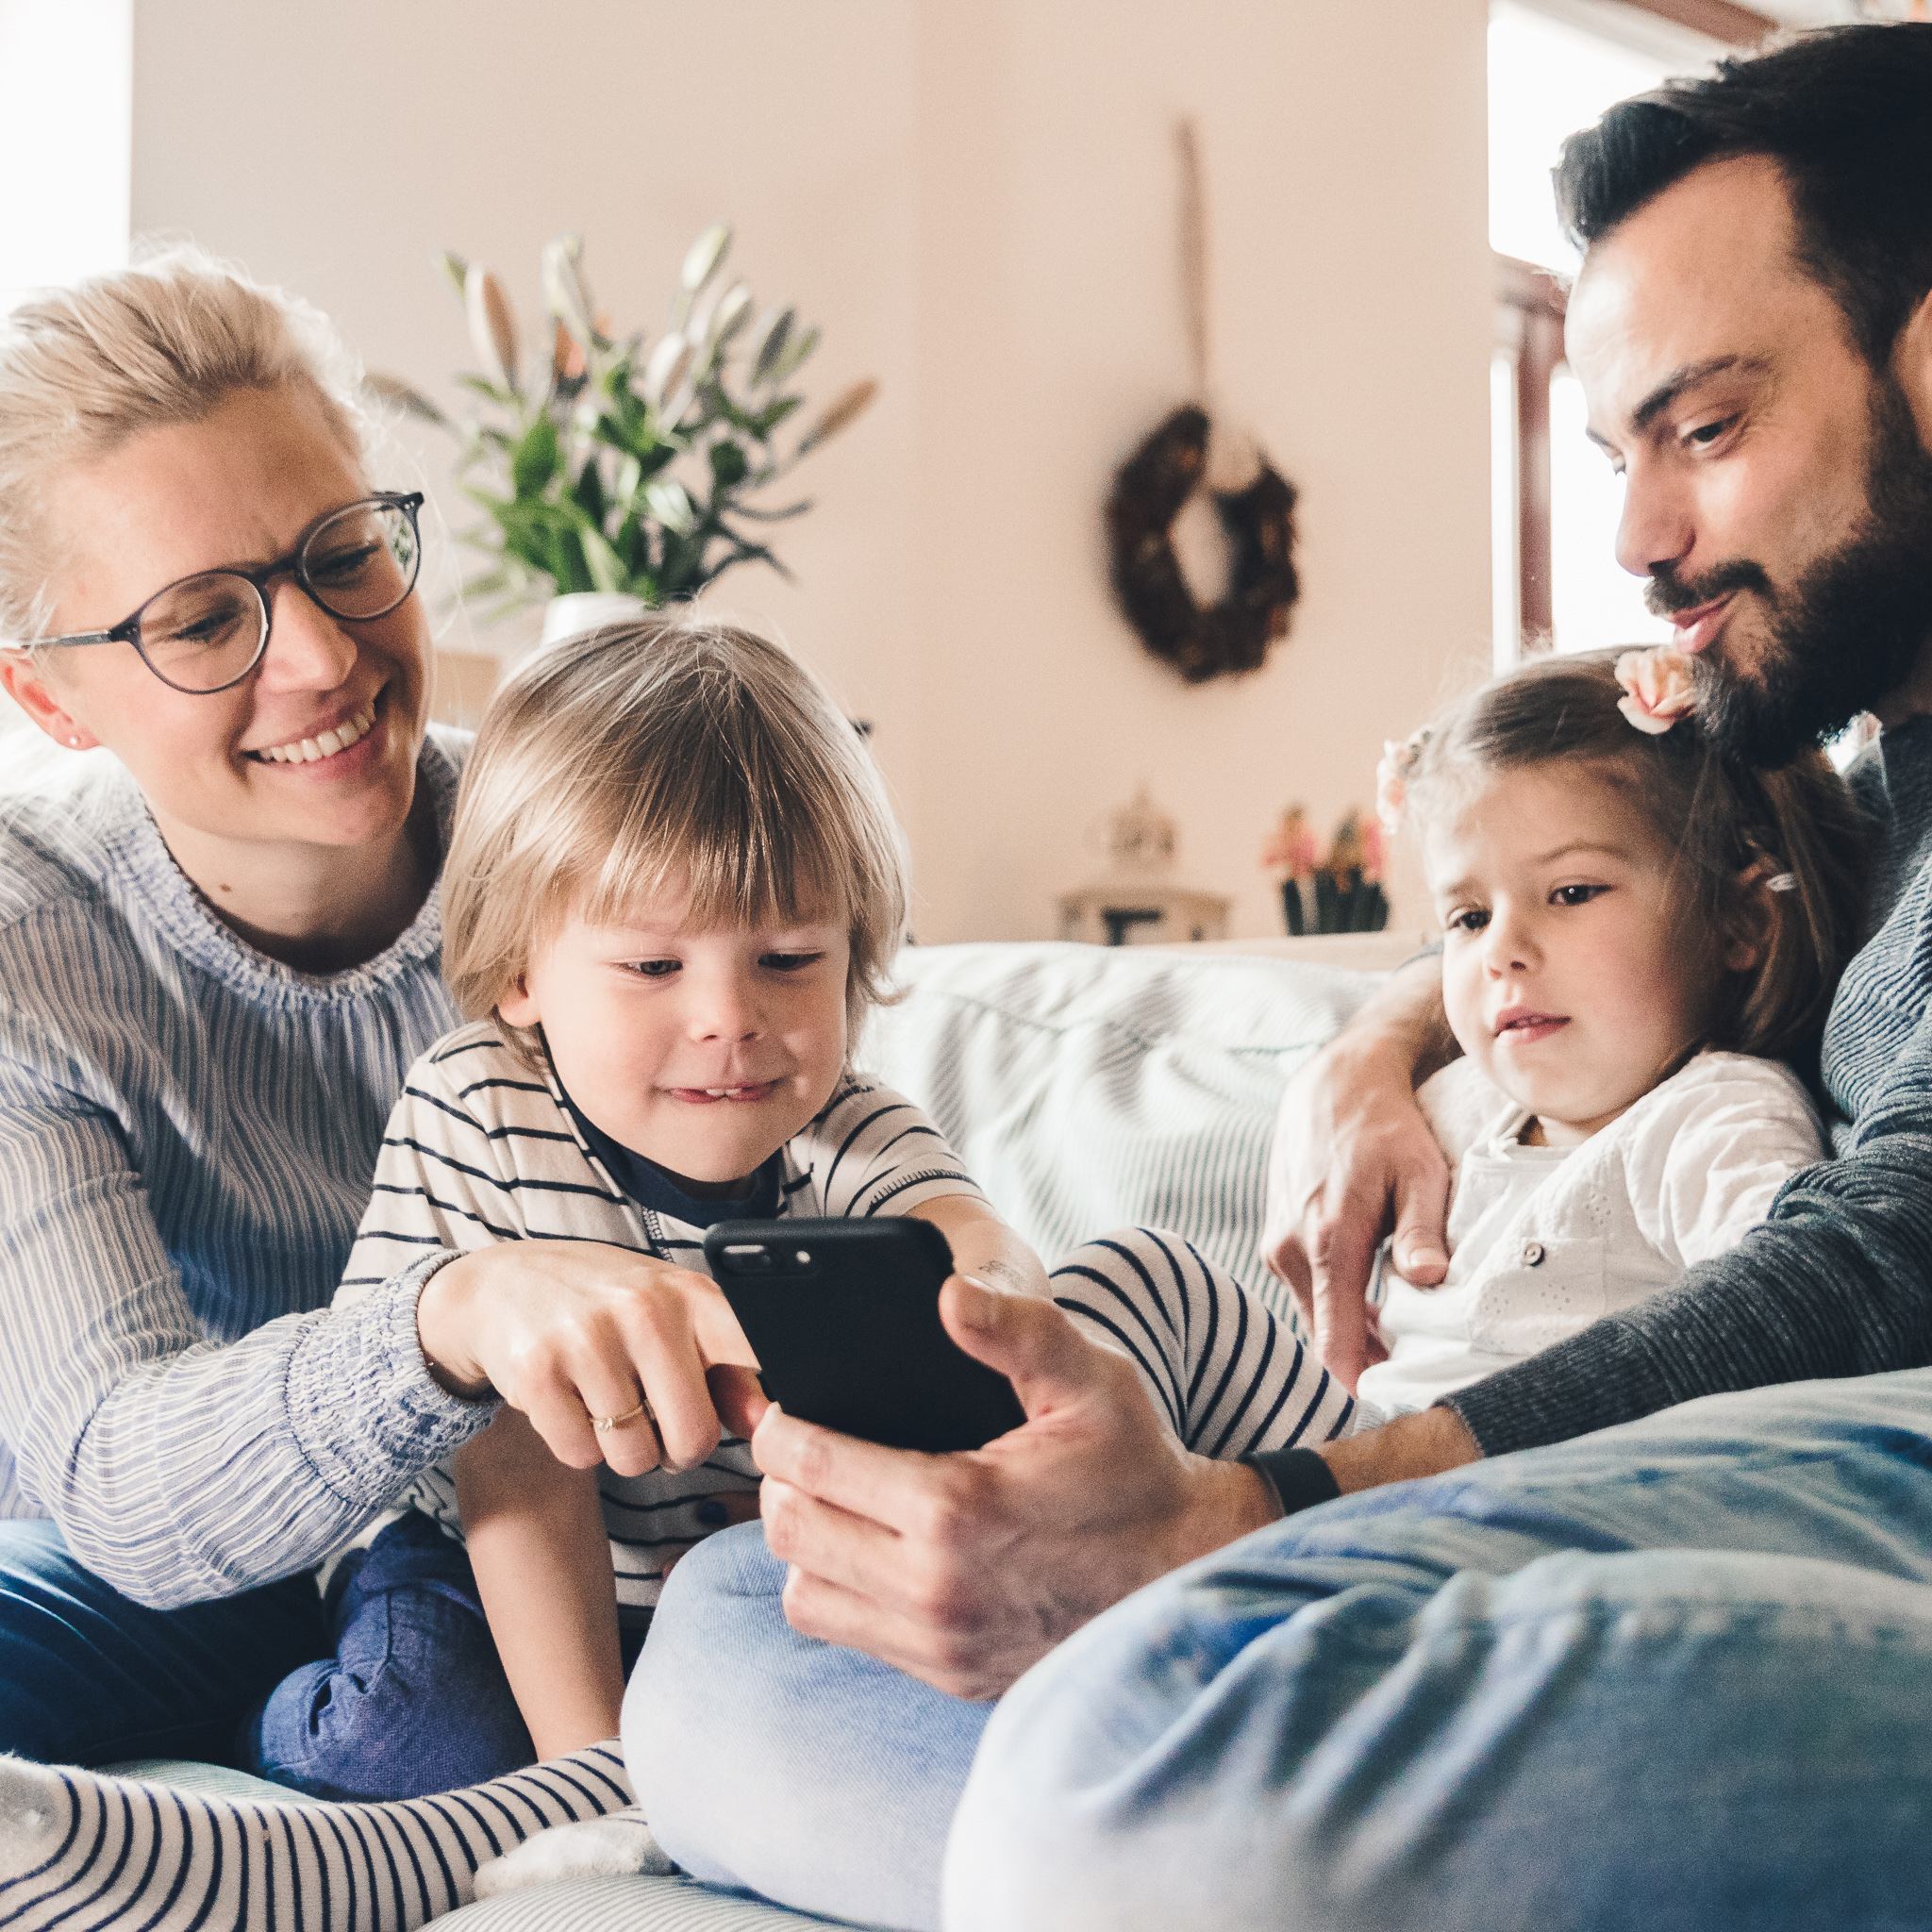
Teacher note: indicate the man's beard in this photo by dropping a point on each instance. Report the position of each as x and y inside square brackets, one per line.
[1848, 632]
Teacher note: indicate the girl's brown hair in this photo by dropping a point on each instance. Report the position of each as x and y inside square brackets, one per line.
[1734, 829]
[666, 751]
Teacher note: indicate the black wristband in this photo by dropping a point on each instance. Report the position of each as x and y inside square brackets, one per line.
[1298, 1477]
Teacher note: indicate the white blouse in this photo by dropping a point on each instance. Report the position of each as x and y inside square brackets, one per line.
[1544, 1241]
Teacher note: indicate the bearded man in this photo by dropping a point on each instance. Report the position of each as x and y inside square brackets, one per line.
[1676, 1674]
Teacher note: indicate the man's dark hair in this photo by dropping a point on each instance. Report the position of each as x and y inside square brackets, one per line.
[1846, 114]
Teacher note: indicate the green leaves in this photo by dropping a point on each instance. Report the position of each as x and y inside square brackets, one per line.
[535, 458]
[623, 464]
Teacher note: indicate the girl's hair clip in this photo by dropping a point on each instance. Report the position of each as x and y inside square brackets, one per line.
[1782, 882]
[1392, 775]
[1657, 690]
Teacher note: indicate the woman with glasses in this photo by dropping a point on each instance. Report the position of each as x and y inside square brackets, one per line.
[219, 952]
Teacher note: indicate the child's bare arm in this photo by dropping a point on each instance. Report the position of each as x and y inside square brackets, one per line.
[983, 1245]
[543, 1562]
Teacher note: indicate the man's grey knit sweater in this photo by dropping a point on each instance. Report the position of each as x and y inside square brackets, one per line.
[1839, 1280]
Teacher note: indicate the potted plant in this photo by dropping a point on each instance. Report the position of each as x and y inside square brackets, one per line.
[614, 470]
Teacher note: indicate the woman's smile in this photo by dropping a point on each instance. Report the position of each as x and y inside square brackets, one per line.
[327, 742]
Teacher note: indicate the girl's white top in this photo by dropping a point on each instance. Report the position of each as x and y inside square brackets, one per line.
[1544, 1241]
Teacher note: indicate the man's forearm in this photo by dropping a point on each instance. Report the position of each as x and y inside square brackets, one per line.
[1410, 1446]
[1404, 1022]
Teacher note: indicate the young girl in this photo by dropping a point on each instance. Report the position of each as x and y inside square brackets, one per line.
[1637, 935]
[673, 892]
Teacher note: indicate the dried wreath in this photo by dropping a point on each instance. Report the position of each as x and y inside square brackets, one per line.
[1149, 489]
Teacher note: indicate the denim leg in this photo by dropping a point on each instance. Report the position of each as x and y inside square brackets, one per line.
[88, 1677]
[1674, 1676]
[772, 1763]
[413, 1701]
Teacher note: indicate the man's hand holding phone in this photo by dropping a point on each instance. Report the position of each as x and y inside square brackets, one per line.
[964, 1570]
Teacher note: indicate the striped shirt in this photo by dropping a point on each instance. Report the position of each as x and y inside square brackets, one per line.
[481, 1150]
[186, 1132]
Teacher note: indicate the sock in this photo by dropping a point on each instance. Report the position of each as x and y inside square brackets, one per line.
[79, 1850]
[618, 1847]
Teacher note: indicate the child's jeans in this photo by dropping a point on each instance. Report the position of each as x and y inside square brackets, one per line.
[414, 1699]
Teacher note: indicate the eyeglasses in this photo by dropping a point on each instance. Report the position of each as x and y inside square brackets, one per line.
[206, 633]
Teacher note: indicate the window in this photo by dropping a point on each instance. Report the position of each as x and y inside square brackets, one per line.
[66, 139]
[1554, 65]
[66, 145]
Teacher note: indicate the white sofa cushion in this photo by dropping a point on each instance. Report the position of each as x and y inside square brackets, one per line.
[1090, 1088]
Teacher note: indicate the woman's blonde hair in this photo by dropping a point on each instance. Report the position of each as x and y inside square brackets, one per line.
[670, 753]
[1726, 823]
[84, 370]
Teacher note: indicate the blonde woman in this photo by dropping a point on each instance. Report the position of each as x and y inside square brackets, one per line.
[219, 951]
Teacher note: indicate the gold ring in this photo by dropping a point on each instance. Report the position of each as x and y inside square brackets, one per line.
[602, 1422]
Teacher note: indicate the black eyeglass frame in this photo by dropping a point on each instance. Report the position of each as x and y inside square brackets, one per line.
[129, 630]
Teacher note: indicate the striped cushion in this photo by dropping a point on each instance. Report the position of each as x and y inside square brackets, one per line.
[1090, 1088]
[622, 1904]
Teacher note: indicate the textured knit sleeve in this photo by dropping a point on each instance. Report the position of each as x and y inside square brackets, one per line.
[178, 1468]
[872, 1152]
[1837, 1282]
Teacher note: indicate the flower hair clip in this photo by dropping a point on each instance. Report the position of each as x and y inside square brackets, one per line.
[1657, 689]
[1392, 775]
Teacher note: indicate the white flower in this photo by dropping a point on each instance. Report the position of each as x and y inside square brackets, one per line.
[492, 328]
[669, 364]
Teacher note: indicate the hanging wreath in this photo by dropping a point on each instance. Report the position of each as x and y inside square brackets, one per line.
[1149, 489]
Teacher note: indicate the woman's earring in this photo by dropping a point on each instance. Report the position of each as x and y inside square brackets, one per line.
[75, 742]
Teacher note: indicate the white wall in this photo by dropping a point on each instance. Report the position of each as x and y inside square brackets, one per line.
[65, 75]
[978, 201]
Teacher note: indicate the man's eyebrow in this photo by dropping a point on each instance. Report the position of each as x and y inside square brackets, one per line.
[1688, 377]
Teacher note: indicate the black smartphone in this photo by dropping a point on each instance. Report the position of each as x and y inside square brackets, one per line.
[843, 1317]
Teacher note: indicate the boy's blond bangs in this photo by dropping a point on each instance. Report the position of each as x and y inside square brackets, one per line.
[661, 756]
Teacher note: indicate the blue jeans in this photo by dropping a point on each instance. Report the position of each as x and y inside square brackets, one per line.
[771, 1763]
[1676, 1675]
[88, 1677]
[414, 1699]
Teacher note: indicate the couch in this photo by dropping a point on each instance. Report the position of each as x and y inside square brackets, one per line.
[1085, 1088]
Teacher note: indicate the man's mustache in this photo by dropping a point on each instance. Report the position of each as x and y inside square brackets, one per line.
[1667, 593]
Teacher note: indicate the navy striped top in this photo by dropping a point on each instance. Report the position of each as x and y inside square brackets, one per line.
[480, 1149]
[186, 1134]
